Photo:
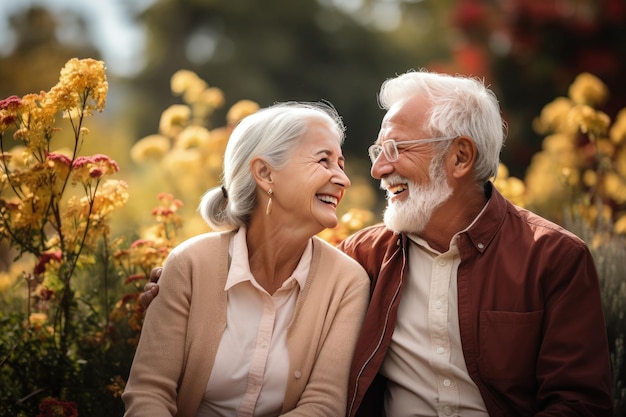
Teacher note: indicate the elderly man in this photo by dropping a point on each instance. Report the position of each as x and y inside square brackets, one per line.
[478, 307]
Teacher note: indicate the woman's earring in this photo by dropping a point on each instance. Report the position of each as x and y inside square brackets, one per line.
[268, 209]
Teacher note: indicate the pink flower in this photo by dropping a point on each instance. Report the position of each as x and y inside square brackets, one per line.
[161, 211]
[97, 159]
[57, 157]
[44, 259]
[11, 102]
[141, 242]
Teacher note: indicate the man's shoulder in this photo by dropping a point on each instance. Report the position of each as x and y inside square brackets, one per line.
[331, 255]
[369, 238]
[544, 227]
[502, 213]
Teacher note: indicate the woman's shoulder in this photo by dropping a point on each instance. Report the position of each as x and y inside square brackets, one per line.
[203, 241]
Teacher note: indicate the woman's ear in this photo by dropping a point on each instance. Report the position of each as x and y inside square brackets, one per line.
[464, 154]
[261, 171]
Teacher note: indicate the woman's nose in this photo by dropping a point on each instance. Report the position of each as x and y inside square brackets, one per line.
[341, 178]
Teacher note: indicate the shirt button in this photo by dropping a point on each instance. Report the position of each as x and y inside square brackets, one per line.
[438, 305]
[297, 374]
[447, 410]
[442, 262]
[440, 350]
[447, 382]
[264, 345]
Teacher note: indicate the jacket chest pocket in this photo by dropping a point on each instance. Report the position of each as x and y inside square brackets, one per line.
[509, 344]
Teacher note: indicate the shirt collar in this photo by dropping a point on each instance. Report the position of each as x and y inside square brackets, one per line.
[239, 270]
[453, 246]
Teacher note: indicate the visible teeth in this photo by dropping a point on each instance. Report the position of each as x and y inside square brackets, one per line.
[328, 199]
[397, 189]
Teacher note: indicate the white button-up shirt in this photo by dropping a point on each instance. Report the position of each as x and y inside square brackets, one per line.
[424, 364]
[250, 370]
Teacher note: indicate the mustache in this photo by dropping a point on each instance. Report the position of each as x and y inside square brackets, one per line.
[393, 180]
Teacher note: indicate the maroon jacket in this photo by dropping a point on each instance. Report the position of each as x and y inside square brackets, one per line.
[530, 316]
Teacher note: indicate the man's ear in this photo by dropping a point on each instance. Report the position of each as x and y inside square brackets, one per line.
[463, 156]
[261, 171]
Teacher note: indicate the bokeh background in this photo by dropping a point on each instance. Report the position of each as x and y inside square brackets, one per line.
[529, 52]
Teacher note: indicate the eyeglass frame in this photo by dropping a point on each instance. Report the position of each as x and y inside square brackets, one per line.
[396, 145]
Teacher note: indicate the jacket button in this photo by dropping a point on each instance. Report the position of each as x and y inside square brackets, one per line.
[297, 374]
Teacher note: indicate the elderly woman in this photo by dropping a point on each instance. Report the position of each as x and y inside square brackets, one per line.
[259, 317]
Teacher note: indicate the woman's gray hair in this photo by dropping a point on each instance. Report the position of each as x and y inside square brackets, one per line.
[271, 133]
[460, 106]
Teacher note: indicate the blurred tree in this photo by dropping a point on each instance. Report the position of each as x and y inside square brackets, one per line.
[38, 55]
[536, 48]
[279, 50]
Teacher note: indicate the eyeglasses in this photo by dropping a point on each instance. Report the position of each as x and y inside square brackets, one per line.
[390, 147]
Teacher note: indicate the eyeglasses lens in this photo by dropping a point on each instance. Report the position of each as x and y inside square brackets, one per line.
[391, 150]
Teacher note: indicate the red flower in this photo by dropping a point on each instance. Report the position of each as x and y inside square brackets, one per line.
[11, 102]
[135, 277]
[52, 407]
[44, 259]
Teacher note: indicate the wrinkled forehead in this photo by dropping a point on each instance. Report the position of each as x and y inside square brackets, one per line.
[409, 114]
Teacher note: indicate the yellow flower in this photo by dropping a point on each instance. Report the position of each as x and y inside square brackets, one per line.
[194, 90]
[38, 319]
[6, 281]
[181, 80]
[620, 225]
[588, 89]
[37, 122]
[150, 147]
[503, 171]
[558, 143]
[240, 110]
[590, 178]
[553, 117]
[193, 137]
[511, 187]
[80, 80]
[605, 148]
[615, 187]
[174, 119]
[589, 121]
[617, 133]
[112, 194]
[213, 97]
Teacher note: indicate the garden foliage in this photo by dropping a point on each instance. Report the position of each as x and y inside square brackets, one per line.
[69, 312]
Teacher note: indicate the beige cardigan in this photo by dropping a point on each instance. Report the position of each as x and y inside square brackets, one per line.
[183, 327]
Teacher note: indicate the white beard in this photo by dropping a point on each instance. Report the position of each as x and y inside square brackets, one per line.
[413, 214]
